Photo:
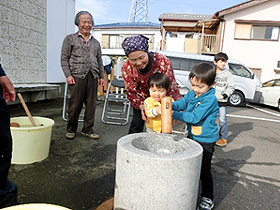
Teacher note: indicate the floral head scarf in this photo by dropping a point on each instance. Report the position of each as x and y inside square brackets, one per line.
[134, 43]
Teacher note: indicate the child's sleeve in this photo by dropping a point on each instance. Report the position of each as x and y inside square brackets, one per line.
[149, 107]
[230, 85]
[201, 110]
[181, 104]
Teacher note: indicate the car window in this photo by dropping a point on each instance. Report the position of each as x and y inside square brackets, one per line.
[176, 62]
[268, 84]
[277, 82]
[185, 64]
[239, 70]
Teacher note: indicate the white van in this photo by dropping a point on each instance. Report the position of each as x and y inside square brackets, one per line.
[247, 84]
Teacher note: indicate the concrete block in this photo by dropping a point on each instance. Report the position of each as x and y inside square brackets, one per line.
[156, 172]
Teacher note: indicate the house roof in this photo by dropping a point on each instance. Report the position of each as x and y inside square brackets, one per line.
[128, 25]
[238, 7]
[183, 17]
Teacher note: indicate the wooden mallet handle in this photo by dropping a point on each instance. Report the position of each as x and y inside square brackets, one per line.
[166, 115]
[26, 110]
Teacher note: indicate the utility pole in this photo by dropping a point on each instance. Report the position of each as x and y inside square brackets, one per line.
[139, 11]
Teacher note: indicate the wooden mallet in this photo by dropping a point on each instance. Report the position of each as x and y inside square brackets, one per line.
[27, 110]
[166, 115]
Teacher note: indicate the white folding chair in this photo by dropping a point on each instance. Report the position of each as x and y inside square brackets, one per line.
[116, 105]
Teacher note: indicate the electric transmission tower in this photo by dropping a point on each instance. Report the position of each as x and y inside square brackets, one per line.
[139, 11]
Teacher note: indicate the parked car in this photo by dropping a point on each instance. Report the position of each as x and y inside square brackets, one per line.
[270, 93]
[246, 82]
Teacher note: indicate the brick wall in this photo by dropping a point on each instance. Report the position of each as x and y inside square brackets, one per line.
[23, 39]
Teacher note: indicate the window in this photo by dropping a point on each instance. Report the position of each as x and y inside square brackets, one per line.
[257, 30]
[115, 42]
[277, 82]
[265, 32]
[242, 31]
[176, 62]
[239, 70]
[185, 64]
[268, 84]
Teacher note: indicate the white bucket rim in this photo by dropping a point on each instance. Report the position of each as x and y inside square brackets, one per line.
[50, 124]
[36, 206]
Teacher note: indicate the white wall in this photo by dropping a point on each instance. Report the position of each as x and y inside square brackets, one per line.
[175, 44]
[256, 54]
[60, 22]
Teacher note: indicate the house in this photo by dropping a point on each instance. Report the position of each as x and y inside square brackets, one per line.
[112, 35]
[251, 34]
[191, 33]
[248, 32]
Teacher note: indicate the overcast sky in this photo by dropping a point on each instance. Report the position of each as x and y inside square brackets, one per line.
[113, 11]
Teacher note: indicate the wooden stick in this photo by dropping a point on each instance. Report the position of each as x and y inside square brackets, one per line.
[26, 110]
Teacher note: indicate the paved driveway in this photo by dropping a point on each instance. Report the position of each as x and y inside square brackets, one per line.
[79, 174]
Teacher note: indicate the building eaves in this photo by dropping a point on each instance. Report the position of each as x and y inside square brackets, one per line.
[183, 17]
[126, 25]
[238, 7]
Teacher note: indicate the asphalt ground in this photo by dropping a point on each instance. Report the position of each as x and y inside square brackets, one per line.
[79, 174]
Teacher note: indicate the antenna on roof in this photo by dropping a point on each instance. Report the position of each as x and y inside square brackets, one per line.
[139, 11]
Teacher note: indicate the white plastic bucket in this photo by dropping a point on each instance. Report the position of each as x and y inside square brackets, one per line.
[36, 206]
[31, 144]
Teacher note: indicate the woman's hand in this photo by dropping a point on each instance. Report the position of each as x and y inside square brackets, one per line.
[9, 93]
[144, 117]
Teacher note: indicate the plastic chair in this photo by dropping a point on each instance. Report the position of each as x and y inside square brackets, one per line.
[116, 106]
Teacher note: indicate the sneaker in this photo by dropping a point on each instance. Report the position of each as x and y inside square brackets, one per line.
[70, 136]
[206, 204]
[91, 135]
[221, 142]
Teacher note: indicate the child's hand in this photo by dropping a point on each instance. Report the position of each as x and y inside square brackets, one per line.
[220, 97]
[158, 110]
[177, 122]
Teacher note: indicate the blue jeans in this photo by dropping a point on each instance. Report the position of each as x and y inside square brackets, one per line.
[223, 132]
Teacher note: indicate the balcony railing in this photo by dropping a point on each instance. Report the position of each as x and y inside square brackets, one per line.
[209, 44]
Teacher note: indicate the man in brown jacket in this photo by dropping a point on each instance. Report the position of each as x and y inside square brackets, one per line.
[82, 65]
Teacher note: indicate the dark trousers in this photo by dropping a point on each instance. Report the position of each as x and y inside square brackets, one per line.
[5, 143]
[137, 124]
[8, 191]
[206, 175]
[83, 92]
